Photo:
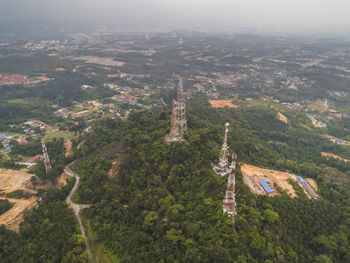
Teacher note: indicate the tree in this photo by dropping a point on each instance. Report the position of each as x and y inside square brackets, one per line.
[271, 216]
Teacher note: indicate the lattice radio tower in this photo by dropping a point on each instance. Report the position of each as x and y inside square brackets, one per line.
[221, 167]
[47, 163]
[229, 202]
[178, 118]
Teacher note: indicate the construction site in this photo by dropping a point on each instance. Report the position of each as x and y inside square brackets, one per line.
[264, 181]
[12, 181]
[17, 188]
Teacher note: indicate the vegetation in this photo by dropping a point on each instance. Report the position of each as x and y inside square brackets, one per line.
[16, 194]
[8, 164]
[49, 233]
[56, 152]
[5, 205]
[165, 204]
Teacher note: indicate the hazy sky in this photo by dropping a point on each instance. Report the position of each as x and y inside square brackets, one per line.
[211, 14]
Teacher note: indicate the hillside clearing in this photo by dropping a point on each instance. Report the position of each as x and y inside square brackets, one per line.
[13, 217]
[222, 104]
[68, 146]
[10, 181]
[252, 175]
[282, 118]
[334, 156]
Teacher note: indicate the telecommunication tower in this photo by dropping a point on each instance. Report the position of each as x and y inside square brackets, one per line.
[47, 163]
[229, 202]
[178, 118]
[221, 168]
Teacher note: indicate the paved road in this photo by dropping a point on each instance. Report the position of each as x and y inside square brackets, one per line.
[77, 207]
[26, 164]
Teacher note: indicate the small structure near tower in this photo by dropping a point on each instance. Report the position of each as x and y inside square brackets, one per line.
[229, 202]
[178, 118]
[221, 168]
[47, 163]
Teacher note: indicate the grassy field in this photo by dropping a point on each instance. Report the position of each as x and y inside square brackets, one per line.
[317, 106]
[59, 134]
[100, 254]
[75, 108]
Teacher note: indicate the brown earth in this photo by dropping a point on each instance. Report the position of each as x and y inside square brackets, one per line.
[222, 104]
[62, 180]
[13, 217]
[312, 183]
[60, 69]
[252, 175]
[12, 180]
[282, 118]
[332, 155]
[76, 68]
[113, 172]
[68, 146]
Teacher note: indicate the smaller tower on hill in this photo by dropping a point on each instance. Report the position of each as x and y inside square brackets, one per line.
[222, 167]
[47, 162]
[178, 118]
[229, 202]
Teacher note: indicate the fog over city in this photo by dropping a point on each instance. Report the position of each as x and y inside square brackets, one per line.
[211, 15]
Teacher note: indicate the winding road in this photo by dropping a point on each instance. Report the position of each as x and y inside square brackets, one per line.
[77, 207]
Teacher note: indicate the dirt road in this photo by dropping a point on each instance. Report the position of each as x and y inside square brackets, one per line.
[77, 207]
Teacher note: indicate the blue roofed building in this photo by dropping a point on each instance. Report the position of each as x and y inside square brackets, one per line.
[307, 187]
[265, 184]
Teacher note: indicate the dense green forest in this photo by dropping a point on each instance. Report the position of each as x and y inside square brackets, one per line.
[164, 204]
[49, 233]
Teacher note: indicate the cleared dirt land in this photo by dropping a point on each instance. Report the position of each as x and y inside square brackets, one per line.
[13, 180]
[62, 180]
[13, 217]
[68, 146]
[222, 104]
[312, 183]
[252, 175]
[334, 156]
[282, 118]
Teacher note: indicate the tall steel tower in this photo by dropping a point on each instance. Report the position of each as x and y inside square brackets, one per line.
[229, 202]
[47, 163]
[221, 167]
[178, 118]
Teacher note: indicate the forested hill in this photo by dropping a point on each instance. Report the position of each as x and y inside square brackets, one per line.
[161, 202]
